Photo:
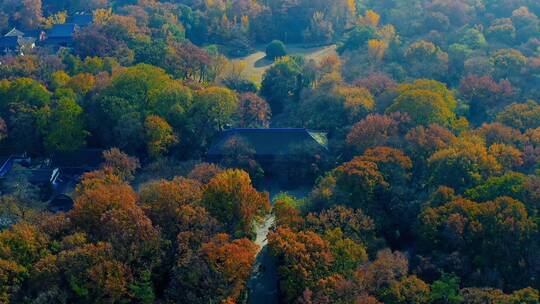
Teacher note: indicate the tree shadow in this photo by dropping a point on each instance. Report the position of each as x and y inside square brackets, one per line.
[263, 62]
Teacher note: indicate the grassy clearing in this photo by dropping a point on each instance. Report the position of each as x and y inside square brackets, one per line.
[256, 64]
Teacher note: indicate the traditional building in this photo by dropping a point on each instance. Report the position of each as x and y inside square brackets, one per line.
[271, 144]
[61, 35]
[17, 42]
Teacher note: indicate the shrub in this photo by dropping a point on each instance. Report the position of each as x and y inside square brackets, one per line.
[275, 50]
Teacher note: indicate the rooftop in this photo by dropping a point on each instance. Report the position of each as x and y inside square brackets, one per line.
[274, 141]
[43, 176]
[14, 33]
[62, 30]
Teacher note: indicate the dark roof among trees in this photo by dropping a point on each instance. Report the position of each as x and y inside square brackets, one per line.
[36, 34]
[43, 176]
[275, 141]
[62, 30]
[6, 163]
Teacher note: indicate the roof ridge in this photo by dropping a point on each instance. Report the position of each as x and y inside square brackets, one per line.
[14, 32]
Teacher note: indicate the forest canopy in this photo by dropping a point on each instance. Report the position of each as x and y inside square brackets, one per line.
[287, 151]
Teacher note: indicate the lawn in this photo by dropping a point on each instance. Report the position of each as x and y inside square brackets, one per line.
[257, 64]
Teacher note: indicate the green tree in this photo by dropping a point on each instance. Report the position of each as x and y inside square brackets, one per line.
[64, 127]
[213, 109]
[511, 184]
[275, 49]
[424, 107]
[358, 38]
[159, 136]
[446, 290]
[280, 84]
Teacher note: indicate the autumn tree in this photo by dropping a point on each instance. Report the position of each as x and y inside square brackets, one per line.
[508, 157]
[238, 154]
[521, 116]
[355, 182]
[481, 230]
[85, 273]
[21, 246]
[463, 164]
[192, 275]
[231, 198]
[424, 141]
[305, 258]
[353, 223]
[380, 275]
[485, 95]
[162, 200]
[187, 61]
[122, 164]
[426, 102]
[232, 261]
[204, 172]
[376, 129]
[287, 211]
[253, 112]
[99, 192]
[422, 50]
[508, 63]
[334, 108]
[159, 136]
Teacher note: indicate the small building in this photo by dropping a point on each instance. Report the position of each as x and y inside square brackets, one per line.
[7, 164]
[16, 42]
[16, 175]
[271, 144]
[46, 177]
[8, 160]
[14, 33]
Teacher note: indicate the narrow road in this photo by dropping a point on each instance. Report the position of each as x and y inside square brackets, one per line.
[263, 285]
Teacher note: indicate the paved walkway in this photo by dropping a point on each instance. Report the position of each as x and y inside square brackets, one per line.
[263, 285]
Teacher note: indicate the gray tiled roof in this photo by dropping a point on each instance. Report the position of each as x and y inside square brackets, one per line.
[14, 33]
[62, 30]
[271, 142]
